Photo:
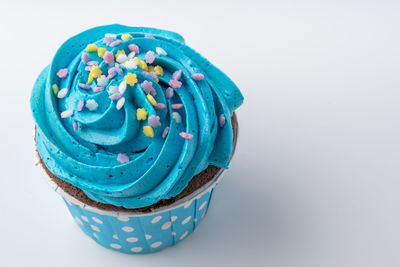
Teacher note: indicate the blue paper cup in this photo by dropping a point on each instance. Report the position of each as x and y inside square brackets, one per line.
[134, 232]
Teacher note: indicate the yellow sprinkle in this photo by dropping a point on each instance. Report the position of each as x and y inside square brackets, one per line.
[151, 100]
[148, 131]
[119, 52]
[101, 51]
[130, 79]
[91, 48]
[141, 114]
[95, 72]
[150, 68]
[141, 63]
[159, 70]
[126, 37]
[55, 89]
[90, 79]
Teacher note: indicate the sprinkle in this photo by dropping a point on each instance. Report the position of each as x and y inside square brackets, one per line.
[91, 48]
[130, 64]
[115, 43]
[85, 57]
[148, 88]
[111, 75]
[88, 68]
[177, 117]
[133, 48]
[161, 51]
[111, 35]
[152, 74]
[149, 35]
[122, 158]
[92, 63]
[122, 58]
[91, 104]
[122, 87]
[175, 84]
[67, 113]
[79, 106]
[108, 57]
[120, 103]
[119, 52]
[98, 89]
[131, 55]
[118, 69]
[141, 63]
[151, 100]
[154, 121]
[165, 132]
[186, 135]
[150, 57]
[115, 96]
[101, 51]
[55, 89]
[169, 93]
[197, 76]
[141, 114]
[222, 120]
[102, 81]
[95, 72]
[113, 89]
[62, 93]
[108, 40]
[148, 131]
[160, 106]
[159, 70]
[84, 86]
[176, 106]
[75, 126]
[62, 73]
[126, 37]
[177, 75]
[130, 79]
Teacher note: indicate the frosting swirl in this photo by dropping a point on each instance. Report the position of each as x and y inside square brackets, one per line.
[131, 114]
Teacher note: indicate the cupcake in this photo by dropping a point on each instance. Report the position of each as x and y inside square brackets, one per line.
[134, 129]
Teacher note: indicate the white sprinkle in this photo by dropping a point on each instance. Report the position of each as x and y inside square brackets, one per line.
[131, 64]
[62, 93]
[122, 87]
[111, 35]
[120, 103]
[177, 117]
[161, 51]
[102, 81]
[113, 89]
[91, 104]
[131, 55]
[122, 58]
[67, 113]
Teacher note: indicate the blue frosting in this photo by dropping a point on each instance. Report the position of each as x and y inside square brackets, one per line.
[158, 168]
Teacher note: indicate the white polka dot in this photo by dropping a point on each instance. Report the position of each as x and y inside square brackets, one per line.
[148, 237]
[166, 225]
[127, 229]
[132, 239]
[78, 221]
[136, 249]
[85, 218]
[187, 205]
[173, 233]
[156, 219]
[203, 205]
[123, 218]
[116, 246]
[185, 221]
[95, 228]
[97, 220]
[115, 236]
[173, 218]
[183, 235]
[156, 244]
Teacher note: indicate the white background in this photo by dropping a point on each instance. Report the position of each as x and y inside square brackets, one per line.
[315, 181]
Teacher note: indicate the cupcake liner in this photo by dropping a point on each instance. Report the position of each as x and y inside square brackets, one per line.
[138, 232]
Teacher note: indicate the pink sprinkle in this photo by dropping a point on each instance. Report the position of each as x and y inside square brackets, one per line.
[151, 74]
[108, 57]
[123, 158]
[148, 88]
[88, 68]
[133, 48]
[175, 84]
[84, 86]
[186, 135]
[108, 40]
[160, 106]
[197, 76]
[222, 120]
[79, 107]
[98, 89]
[176, 106]
[112, 75]
[149, 35]
[150, 57]
[169, 92]
[62, 73]
[115, 43]
[75, 125]
[154, 121]
[115, 96]
[118, 69]
[165, 132]
[85, 57]
[177, 75]
[92, 63]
